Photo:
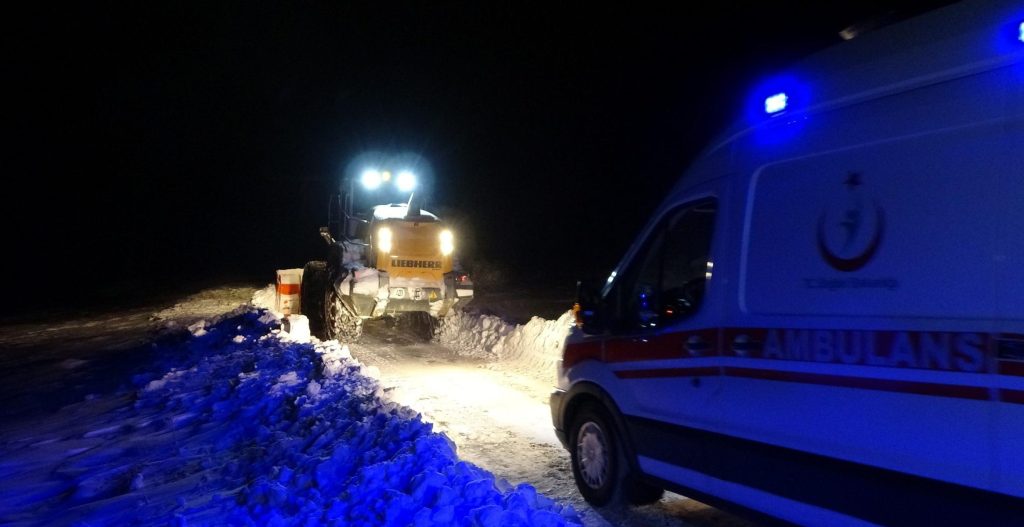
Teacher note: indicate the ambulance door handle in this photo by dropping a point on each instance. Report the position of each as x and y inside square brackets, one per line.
[743, 346]
[697, 346]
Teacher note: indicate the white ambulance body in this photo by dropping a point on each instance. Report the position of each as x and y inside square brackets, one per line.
[824, 321]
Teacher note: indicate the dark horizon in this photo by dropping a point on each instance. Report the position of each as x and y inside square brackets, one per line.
[167, 144]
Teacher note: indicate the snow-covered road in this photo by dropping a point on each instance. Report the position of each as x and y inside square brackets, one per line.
[485, 383]
[495, 416]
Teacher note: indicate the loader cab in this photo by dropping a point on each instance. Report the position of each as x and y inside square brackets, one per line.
[343, 223]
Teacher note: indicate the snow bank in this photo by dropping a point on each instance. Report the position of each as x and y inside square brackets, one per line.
[235, 425]
[534, 347]
[206, 304]
[265, 298]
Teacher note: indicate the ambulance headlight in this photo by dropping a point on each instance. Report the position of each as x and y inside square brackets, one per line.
[406, 181]
[371, 179]
[384, 240]
[447, 242]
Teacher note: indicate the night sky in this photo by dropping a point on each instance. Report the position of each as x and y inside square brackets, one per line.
[158, 145]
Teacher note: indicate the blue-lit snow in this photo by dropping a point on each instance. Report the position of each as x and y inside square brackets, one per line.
[233, 424]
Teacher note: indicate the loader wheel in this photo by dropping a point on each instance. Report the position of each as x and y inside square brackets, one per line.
[340, 323]
[314, 285]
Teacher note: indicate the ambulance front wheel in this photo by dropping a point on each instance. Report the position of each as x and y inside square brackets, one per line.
[599, 463]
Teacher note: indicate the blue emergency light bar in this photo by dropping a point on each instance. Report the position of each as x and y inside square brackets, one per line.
[776, 103]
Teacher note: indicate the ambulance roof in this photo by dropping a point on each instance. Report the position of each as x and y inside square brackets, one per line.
[952, 41]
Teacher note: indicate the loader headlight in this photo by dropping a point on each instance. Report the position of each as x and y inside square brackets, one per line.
[371, 179]
[384, 240]
[406, 181]
[447, 242]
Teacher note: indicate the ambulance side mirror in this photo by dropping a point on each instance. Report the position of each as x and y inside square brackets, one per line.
[588, 308]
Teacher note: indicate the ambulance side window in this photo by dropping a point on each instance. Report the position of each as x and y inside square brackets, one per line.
[666, 281]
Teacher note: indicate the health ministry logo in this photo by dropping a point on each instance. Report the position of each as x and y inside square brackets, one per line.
[850, 233]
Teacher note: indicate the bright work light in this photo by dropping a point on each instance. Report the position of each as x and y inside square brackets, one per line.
[406, 181]
[447, 242]
[384, 240]
[776, 103]
[371, 179]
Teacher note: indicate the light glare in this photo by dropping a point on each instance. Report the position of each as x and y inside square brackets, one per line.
[384, 240]
[371, 179]
[406, 181]
[447, 242]
[1020, 29]
[776, 103]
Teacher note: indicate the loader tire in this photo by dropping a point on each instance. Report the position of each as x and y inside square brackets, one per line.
[340, 323]
[314, 285]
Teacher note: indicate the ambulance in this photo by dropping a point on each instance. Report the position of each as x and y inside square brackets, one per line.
[823, 323]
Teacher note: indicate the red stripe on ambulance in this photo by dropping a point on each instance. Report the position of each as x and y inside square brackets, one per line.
[868, 383]
[963, 352]
[667, 372]
[578, 352]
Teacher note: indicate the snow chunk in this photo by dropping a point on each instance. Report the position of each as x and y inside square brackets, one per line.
[296, 328]
[372, 372]
[269, 318]
[313, 389]
[160, 383]
[265, 298]
[284, 381]
[198, 329]
[70, 364]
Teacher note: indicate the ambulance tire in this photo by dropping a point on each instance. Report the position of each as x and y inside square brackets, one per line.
[314, 285]
[340, 322]
[599, 463]
[641, 493]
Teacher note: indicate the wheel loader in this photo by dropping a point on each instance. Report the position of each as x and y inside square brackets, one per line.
[392, 259]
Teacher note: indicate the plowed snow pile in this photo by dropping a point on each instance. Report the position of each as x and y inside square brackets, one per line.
[234, 423]
[531, 349]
